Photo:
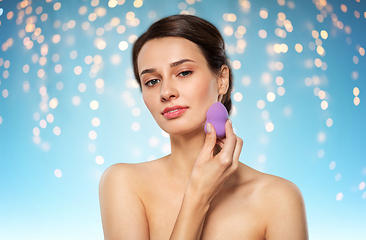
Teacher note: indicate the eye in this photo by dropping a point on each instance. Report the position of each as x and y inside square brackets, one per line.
[185, 73]
[152, 82]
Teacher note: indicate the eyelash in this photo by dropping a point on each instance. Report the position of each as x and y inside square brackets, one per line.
[149, 83]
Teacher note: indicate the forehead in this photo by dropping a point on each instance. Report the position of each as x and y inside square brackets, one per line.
[167, 50]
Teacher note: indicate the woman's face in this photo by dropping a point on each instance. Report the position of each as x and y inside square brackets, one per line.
[177, 84]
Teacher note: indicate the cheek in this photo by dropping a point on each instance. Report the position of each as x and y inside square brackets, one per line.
[149, 102]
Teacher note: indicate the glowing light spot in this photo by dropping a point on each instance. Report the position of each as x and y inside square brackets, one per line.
[73, 54]
[362, 185]
[92, 17]
[321, 94]
[36, 131]
[279, 80]
[99, 83]
[261, 104]
[50, 118]
[153, 141]
[92, 135]
[135, 126]
[321, 153]
[261, 158]
[356, 91]
[262, 33]
[76, 100]
[356, 101]
[266, 78]
[57, 6]
[43, 123]
[228, 31]
[329, 122]
[269, 127]
[236, 64]
[6, 74]
[83, 10]
[95, 122]
[324, 105]
[271, 97]
[26, 86]
[99, 160]
[318, 62]
[26, 68]
[92, 147]
[279, 66]
[263, 13]
[121, 29]
[339, 196]
[320, 50]
[246, 81]
[284, 48]
[343, 8]
[53, 103]
[238, 96]
[123, 45]
[277, 48]
[332, 165]
[58, 173]
[281, 91]
[321, 137]
[281, 16]
[58, 68]
[94, 105]
[361, 50]
[354, 75]
[57, 131]
[78, 70]
[9, 15]
[82, 87]
[130, 15]
[101, 44]
[324, 34]
[36, 116]
[338, 177]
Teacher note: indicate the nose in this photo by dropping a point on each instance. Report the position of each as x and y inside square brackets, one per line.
[169, 91]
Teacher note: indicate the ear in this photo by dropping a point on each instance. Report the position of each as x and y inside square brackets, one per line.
[223, 80]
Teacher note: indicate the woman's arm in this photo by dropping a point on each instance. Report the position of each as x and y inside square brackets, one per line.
[208, 175]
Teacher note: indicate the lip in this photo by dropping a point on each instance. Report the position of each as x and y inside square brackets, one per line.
[174, 111]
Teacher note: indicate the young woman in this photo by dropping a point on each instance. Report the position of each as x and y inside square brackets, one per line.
[200, 190]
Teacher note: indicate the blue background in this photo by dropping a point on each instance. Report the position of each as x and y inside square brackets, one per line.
[49, 179]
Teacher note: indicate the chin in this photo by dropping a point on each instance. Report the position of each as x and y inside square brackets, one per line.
[181, 128]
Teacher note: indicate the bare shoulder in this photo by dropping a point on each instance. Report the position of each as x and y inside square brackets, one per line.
[284, 208]
[122, 210]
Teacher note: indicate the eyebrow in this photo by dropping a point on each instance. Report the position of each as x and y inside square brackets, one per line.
[174, 64]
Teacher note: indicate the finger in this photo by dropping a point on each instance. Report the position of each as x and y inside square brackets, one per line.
[230, 141]
[210, 140]
[220, 142]
[237, 151]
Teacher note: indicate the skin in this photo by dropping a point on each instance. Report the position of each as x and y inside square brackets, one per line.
[200, 190]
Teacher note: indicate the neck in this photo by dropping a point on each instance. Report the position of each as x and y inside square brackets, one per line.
[185, 149]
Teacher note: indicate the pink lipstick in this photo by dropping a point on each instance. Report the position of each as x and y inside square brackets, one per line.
[174, 112]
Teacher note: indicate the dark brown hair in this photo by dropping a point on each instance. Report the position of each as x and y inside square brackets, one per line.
[196, 30]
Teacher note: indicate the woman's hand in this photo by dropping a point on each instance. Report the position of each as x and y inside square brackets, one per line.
[210, 171]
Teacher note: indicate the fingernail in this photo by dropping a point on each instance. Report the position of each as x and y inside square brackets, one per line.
[230, 121]
[208, 128]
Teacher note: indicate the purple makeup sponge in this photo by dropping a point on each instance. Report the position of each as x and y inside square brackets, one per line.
[217, 116]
